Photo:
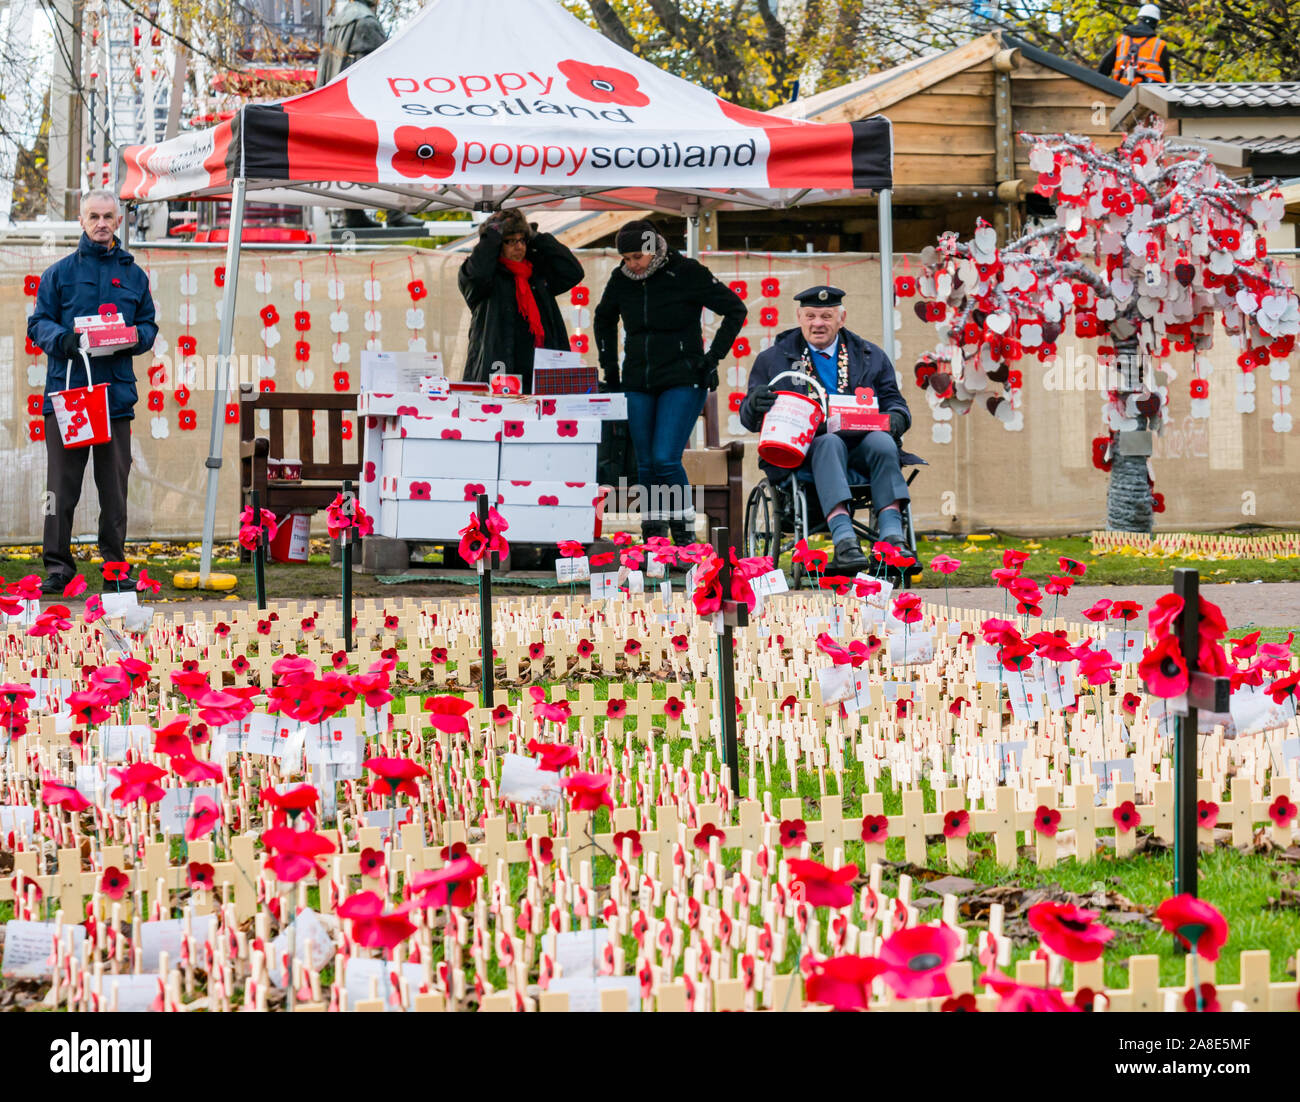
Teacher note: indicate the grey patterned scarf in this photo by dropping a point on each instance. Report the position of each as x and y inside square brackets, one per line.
[661, 256]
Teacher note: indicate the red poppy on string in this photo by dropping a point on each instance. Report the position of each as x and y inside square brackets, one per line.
[588, 791]
[823, 886]
[394, 775]
[455, 884]
[944, 564]
[1208, 1001]
[1058, 585]
[1069, 931]
[454, 852]
[138, 782]
[54, 794]
[1163, 670]
[956, 824]
[205, 816]
[1125, 610]
[1098, 611]
[292, 802]
[1016, 997]
[294, 853]
[1195, 923]
[813, 560]
[843, 983]
[570, 549]
[553, 756]
[875, 828]
[447, 713]
[417, 290]
[114, 883]
[270, 315]
[917, 959]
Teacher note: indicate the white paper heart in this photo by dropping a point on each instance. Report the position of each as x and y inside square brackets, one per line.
[373, 321]
[926, 285]
[1246, 302]
[341, 352]
[270, 336]
[158, 428]
[984, 244]
[415, 318]
[302, 290]
[1148, 307]
[304, 377]
[998, 322]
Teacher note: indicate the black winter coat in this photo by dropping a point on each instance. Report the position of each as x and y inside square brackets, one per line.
[663, 344]
[498, 332]
[76, 287]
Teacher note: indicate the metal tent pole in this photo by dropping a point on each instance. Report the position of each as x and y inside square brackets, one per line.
[886, 213]
[224, 343]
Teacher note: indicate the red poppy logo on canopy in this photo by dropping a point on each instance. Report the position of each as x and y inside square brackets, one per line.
[424, 151]
[603, 84]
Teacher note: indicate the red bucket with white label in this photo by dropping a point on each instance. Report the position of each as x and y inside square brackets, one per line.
[790, 425]
[292, 538]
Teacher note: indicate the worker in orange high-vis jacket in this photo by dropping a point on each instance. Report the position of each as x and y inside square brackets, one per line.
[1140, 55]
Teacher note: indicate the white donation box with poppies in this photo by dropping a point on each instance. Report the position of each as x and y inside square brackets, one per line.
[426, 457]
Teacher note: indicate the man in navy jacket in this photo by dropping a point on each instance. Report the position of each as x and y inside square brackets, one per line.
[100, 273]
[842, 362]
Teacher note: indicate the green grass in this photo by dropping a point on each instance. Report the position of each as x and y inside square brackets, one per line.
[978, 554]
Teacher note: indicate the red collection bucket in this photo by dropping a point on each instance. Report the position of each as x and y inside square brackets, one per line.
[82, 412]
[292, 540]
[790, 425]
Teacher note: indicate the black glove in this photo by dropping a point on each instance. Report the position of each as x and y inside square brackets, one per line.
[612, 384]
[709, 373]
[761, 399]
[69, 345]
[897, 423]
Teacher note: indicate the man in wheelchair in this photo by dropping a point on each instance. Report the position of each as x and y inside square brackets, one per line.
[842, 362]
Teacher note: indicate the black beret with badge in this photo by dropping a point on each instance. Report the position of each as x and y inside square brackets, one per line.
[822, 295]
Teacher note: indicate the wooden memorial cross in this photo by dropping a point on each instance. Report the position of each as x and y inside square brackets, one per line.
[486, 565]
[735, 614]
[1203, 691]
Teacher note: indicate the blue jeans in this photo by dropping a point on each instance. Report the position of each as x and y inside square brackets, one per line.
[660, 426]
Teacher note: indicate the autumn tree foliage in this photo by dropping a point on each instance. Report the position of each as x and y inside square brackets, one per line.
[1151, 248]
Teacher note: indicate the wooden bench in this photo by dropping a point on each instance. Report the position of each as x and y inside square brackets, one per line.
[321, 481]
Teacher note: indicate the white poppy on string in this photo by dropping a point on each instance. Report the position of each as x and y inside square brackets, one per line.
[186, 314]
[941, 432]
[158, 428]
[339, 321]
[415, 318]
[336, 290]
[270, 336]
[262, 281]
[304, 377]
[341, 352]
[373, 321]
[188, 282]
[416, 344]
[371, 290]
[302, 290]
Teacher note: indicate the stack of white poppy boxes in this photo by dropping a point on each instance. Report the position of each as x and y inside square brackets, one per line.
[426, 456]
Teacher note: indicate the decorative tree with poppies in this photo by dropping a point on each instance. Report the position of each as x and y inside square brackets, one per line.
[1151, 247]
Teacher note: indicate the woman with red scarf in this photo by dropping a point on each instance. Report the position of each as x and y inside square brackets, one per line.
[510, 281]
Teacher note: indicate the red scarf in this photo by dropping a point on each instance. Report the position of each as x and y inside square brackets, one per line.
[522, 270]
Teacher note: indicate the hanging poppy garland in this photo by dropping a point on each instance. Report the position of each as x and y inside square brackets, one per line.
[1151, 248]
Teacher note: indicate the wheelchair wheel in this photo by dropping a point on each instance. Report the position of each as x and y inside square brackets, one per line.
[763, 523]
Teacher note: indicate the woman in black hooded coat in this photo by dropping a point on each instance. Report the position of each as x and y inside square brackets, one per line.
[509, 282]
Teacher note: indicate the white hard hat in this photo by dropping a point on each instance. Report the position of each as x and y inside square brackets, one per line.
[1149, 12]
